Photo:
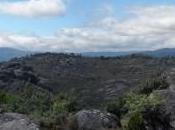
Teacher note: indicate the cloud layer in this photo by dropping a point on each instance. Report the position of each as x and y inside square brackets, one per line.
[33, 8]
[149, 28]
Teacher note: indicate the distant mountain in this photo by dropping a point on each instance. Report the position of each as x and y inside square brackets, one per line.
[156, 53]
[108, 54]
[9, 53]
[161, 52]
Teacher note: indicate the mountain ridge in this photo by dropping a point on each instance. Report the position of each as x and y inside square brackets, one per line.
[7, 53]
[155, 53]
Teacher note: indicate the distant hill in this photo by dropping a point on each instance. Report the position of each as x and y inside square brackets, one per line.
[156, 53]
[9, 53]
[161, 52]
[107, 54]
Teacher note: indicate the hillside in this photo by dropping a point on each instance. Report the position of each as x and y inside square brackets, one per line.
[9, 53]
[93, 80]
[45, 86]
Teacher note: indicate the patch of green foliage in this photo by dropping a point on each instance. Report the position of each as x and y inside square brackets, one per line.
[116, 107]
[136, 122]
[130, 109]
[57, 116]
[138, 102]
[63, 103]
[158, 83]
[9, 102]
[51, 111]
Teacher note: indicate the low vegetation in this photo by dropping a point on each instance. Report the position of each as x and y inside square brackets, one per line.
[156, 83]
[51, 111]
[40, 86]
[137, 111]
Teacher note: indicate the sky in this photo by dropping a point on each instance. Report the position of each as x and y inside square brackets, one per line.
[87, 25]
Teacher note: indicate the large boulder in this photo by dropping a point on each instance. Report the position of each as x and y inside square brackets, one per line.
[95, 120]
[14, 121]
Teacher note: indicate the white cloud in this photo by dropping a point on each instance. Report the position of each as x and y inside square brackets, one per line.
[34, 8]
[149, 28]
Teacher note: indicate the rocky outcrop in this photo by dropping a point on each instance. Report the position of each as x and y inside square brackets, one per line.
[15, 70]
[95, 120]
[14, 76]
[169, 96]
[14, 121]
[157, 119]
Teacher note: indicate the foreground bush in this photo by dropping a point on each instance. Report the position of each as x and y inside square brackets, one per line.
[138, 102]
[135, 110]
[136, 122]
[63, 103]
[51, 111]
[116, 107]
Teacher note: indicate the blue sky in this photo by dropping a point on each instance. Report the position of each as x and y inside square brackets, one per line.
[77, 14]
[77, 25]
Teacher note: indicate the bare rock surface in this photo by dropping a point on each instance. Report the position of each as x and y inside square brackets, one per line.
[14, 121]
[96, 120]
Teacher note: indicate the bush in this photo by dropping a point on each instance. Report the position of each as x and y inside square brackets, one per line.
[137, 105]
[132, 107]
[136, 122]
[9, 102]
[63, 103]
[138, 102]
[54, 121]
[150, 85]
[116, 107]
[3, 97]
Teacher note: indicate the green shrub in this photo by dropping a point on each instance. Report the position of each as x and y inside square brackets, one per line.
[9, 102]
[30, 101]
[63, 103]
[3, 97]
[54, 121]
[130, 109]
[157, 83]
[116, 107]
[60, 107]
[51, 111]
[136, 122]
[137, 102]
